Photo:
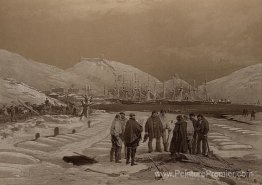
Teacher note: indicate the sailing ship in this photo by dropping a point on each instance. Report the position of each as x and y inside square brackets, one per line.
[132, 91]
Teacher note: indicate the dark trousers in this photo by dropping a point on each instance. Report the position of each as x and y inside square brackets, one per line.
[114, 152]
[189, 144]
[194, 143]
[131, 152]
[202, 140]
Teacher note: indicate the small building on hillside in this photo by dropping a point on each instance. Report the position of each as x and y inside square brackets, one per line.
[58, 90]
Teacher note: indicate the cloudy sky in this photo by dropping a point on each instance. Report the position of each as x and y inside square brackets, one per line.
[196, 39]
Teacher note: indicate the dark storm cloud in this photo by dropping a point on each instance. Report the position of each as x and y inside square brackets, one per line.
[196, 39]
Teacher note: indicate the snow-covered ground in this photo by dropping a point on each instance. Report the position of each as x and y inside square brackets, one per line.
[26, 161]
[20, 153]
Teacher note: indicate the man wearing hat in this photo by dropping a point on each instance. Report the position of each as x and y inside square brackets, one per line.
[123, 121]
[203, 129]
[195, 132]
[132, 136]
[178, 143]
[153, 130]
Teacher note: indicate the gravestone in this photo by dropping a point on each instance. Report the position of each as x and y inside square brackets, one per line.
[37, 135]
[56, 131]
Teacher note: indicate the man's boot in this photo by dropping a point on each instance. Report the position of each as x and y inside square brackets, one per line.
[166, 147]
[128, 155]
[190, 150]
[125, 148]
[158, 146]
[117, 160]
[204, 146]
[199, 140]
[119, 153]
[173, 156]
[194, 143]
[133, 155]
[150, 147]
[112, 154]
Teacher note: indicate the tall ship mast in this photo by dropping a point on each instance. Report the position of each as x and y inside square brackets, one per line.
[205, 91]
[164, 91]
[174, 89]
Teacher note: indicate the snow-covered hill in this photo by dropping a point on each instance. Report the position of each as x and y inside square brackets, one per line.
[11, 91]
[35, 74]
[109, 73]
[176, 83]
[242, 86]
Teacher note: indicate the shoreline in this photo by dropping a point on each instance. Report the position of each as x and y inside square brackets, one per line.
[214, 110]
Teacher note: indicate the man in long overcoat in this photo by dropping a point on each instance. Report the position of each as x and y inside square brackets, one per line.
[203, 129]
[179, 139]
[132, 136]
[195, 125]
[154, 130]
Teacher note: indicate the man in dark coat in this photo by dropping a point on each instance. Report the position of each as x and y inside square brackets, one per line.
[195, 125]
[84, 111]
[154, 130]
[203, 129]
[132, 136]
[179, 139]
[253, 115]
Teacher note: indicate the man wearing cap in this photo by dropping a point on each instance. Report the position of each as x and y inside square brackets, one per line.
[132, 136]
[123, 121]
[195, 125]
[178, 143]
[203, 129]
[153, 130]
[167, 129]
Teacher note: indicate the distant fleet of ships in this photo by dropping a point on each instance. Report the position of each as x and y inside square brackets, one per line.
[135, 93]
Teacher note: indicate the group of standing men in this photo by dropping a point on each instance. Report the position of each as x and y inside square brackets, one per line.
[187, 136]
[252, 114]
[128, 131]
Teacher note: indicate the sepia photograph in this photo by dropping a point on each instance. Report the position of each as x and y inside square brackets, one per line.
[128, 92]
